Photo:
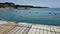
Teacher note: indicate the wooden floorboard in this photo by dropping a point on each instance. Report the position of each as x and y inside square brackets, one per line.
[28, 29]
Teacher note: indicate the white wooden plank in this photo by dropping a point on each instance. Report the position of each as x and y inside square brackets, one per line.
[37, 31]
[56, 30]
[57, 33]
[26, 31]
[53, 32]
[41, 31]
[52, 29]
[49, 32]
[34, 31]
[19, 30]
[59, 30]
[30, 32]
[22, 30]
[12, 30]
[15, 30]
[45, 32]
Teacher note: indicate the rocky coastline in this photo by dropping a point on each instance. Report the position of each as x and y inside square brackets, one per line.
[8, 5]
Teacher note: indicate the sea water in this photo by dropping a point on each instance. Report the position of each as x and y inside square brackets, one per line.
[48, 16]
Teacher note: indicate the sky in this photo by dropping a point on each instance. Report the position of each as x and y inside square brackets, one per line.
[45, 3]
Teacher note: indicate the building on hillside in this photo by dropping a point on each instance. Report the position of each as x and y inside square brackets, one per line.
[7, 5]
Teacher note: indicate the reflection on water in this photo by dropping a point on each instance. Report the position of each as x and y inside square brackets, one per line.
[50, 16]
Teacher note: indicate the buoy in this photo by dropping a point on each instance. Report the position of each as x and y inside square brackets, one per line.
[49, 13]
[55, 14]
[29, 12]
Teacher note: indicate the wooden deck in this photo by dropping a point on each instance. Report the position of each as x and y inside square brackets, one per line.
[43, 29]
[13, 28]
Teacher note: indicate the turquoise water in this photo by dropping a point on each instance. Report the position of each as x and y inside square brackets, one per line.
[49, 16]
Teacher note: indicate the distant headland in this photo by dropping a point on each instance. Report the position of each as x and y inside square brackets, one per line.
[13, 5]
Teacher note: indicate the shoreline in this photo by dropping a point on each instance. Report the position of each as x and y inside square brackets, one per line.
[6, 8]
[5, 22]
